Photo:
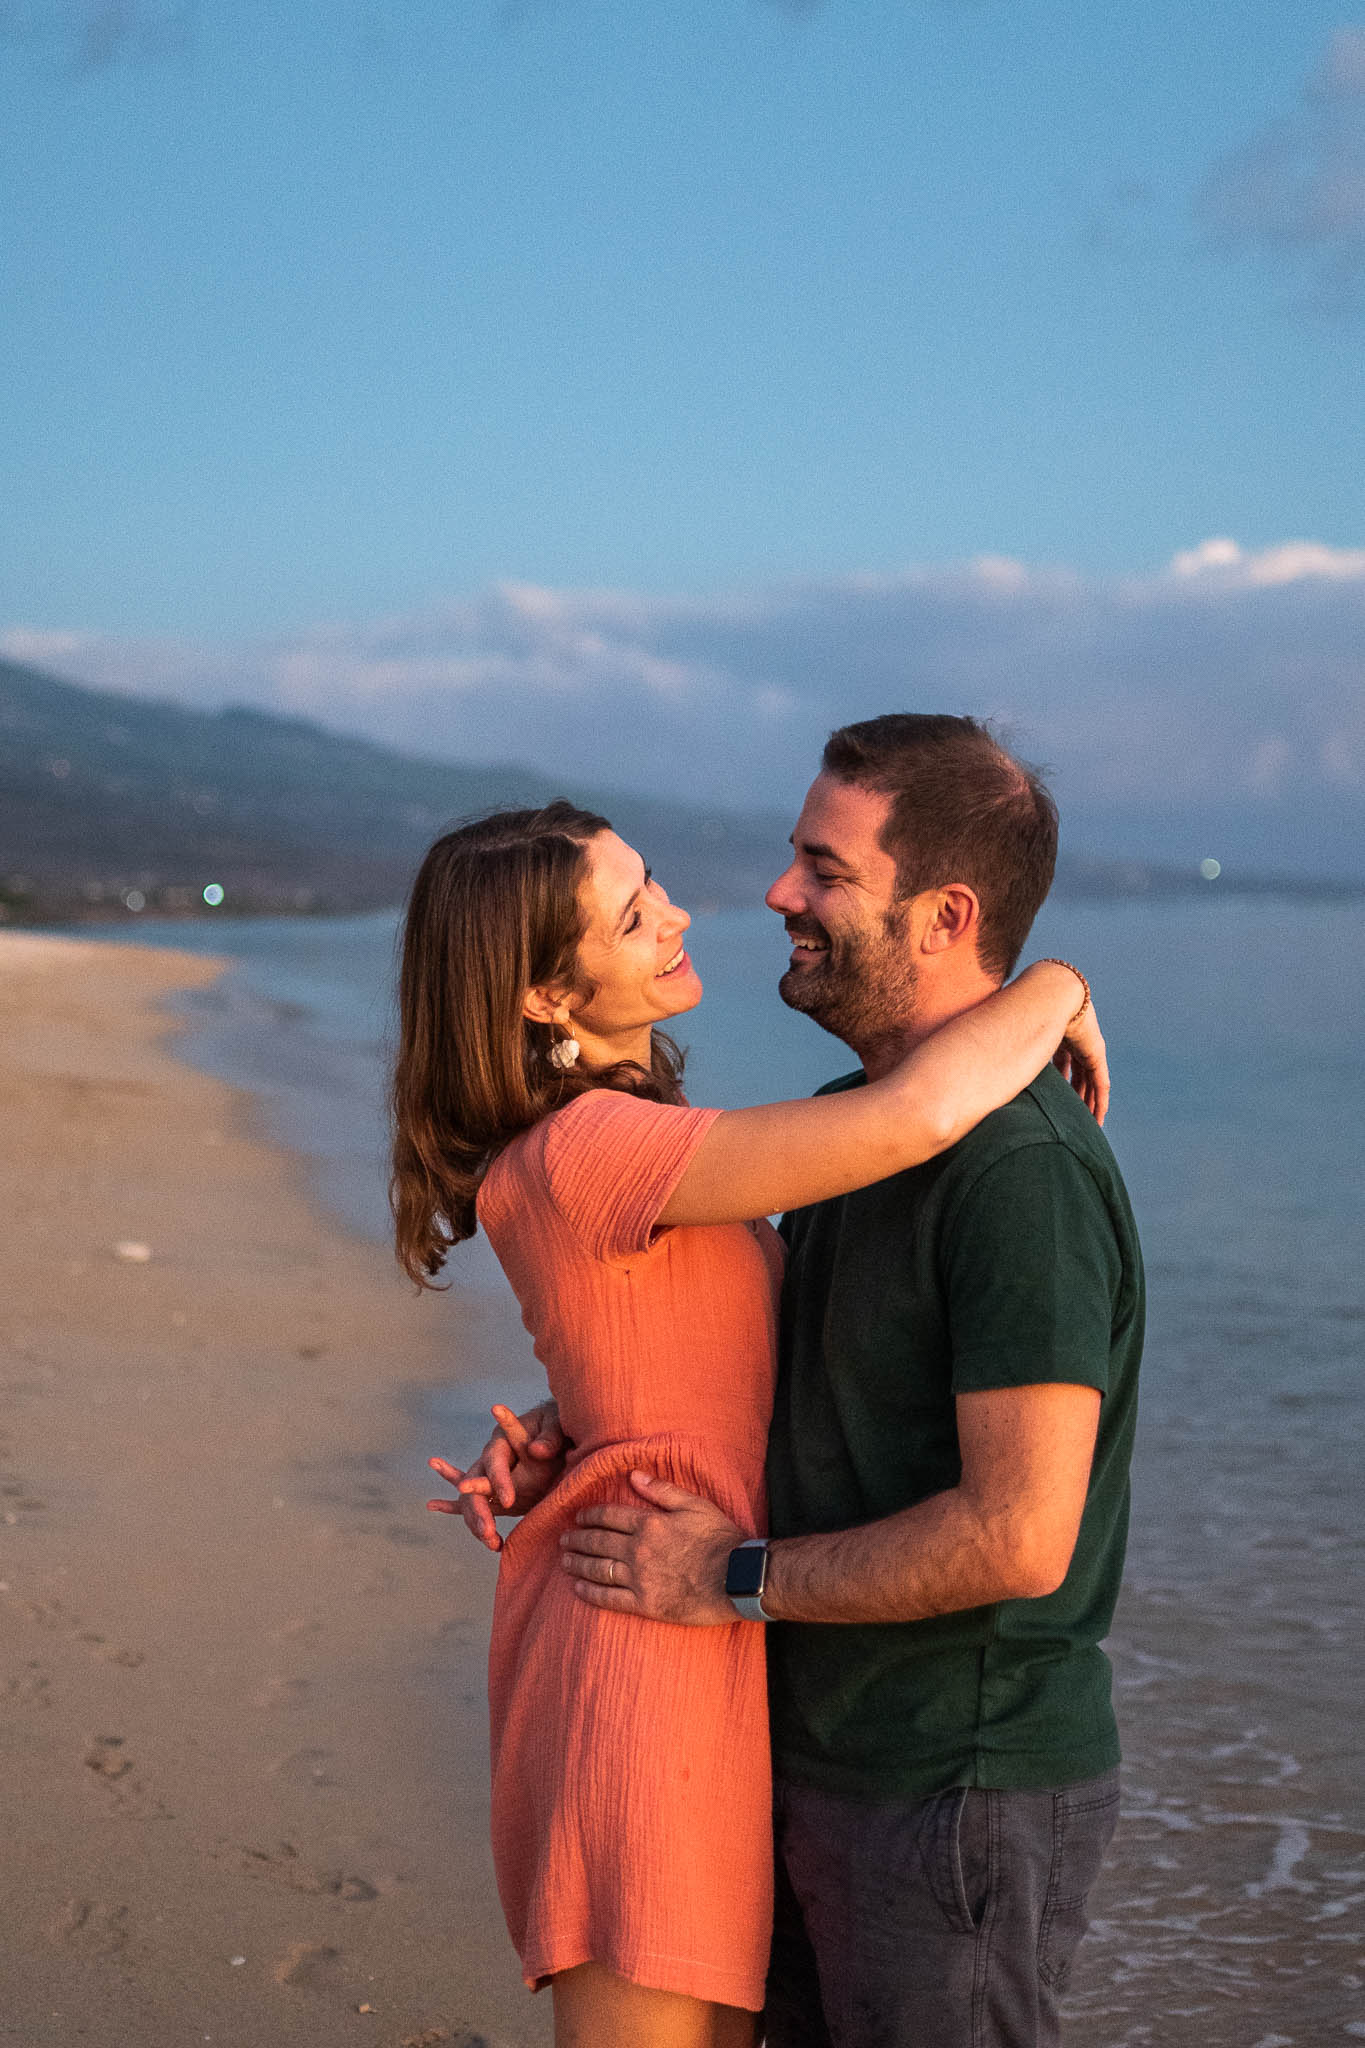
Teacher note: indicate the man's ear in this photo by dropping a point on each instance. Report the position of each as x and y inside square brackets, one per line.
[953, 918]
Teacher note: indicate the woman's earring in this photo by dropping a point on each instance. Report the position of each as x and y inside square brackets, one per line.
[563, 1053]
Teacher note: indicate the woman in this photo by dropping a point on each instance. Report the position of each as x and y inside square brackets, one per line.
[534, 1092]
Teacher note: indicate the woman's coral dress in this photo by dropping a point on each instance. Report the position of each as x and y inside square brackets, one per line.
[631, 1795]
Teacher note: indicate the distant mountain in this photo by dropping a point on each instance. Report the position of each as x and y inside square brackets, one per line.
[105, 796]
[113, 804]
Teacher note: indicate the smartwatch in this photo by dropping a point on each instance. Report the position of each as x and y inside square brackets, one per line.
[746, 1574]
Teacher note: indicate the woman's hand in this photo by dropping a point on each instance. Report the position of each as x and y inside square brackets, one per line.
[1082, 1060]
[515, 1469]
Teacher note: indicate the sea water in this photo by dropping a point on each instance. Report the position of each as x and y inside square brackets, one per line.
[1230, 1914]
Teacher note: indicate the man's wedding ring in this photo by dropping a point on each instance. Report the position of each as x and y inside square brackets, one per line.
[611, 1572]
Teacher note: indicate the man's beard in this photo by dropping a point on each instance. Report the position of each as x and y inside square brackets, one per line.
[864, 987]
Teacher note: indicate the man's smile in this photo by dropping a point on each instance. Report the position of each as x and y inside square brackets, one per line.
[807, 947]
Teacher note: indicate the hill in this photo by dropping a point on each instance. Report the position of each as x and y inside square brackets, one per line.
[111, 805]
[105, 796]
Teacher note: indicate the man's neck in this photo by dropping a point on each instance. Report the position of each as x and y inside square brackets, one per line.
[882, 1050]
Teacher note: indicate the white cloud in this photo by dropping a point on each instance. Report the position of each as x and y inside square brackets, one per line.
[1297, 189]
[1228, 674]
[1291, 561]
[33, 644]
[1210, 554]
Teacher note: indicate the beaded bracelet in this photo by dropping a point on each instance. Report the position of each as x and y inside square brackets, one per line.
[1052, 961]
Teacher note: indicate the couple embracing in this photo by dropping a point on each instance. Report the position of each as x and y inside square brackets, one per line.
[801, 1727]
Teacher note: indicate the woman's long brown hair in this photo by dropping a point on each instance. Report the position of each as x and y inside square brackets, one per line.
[494, 911]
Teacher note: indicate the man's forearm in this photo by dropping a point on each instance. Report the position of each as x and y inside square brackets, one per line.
[938, 1557]
[1006, 1531]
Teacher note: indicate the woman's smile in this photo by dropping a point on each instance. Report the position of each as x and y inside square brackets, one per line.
[633, 959]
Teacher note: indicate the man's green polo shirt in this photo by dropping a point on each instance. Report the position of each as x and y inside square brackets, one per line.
[1008, 1261]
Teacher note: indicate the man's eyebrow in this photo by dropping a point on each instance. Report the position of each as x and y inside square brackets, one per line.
[816, 849]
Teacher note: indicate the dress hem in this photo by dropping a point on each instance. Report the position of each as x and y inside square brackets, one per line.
[652, 1973]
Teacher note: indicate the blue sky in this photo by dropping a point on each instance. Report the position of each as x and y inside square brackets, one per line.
[321, 317]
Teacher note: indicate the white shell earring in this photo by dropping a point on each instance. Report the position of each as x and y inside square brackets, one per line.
[563, 1053]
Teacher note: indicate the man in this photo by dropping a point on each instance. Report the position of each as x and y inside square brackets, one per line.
[948, 1463]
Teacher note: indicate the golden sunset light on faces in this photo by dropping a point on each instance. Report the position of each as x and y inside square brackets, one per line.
[840, 877]
[632, 955]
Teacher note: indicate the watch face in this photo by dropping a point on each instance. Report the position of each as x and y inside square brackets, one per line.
[746, 1571]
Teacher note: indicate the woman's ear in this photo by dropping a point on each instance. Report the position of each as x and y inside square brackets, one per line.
[545, 1006]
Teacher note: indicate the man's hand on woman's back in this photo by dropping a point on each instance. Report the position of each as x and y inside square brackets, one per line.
[515, 1469]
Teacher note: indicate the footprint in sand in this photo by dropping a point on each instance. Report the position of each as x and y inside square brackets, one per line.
[106, 1759]
[90, 1924]
[285, 1865]
[30, 1687]
[52, 1614]
[49, 1614]
[446, 2037]
[111, 1653]
[115, 1653]
[109, 1761]
[310, 1966]
[296, 1631]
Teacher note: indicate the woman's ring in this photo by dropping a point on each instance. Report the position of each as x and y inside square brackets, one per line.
[611, 1572]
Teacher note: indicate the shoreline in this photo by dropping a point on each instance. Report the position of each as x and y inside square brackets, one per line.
[241, 1672]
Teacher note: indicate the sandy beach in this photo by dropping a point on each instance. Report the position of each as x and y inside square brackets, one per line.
[242, 1677]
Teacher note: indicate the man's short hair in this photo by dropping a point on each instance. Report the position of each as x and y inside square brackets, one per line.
[962, 810]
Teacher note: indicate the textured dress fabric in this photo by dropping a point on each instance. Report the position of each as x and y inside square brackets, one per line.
[632, 1817]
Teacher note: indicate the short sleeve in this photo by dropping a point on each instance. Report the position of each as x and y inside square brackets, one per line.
[1032, 1268]
[613, 1160]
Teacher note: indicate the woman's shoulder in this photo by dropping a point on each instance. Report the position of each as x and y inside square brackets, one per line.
[606, 1163]
[565, 1125]
[529, 1157]
[606, 1124]
[601, 1141]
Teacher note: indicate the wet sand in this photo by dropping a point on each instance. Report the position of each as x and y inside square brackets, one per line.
[241, 1670]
